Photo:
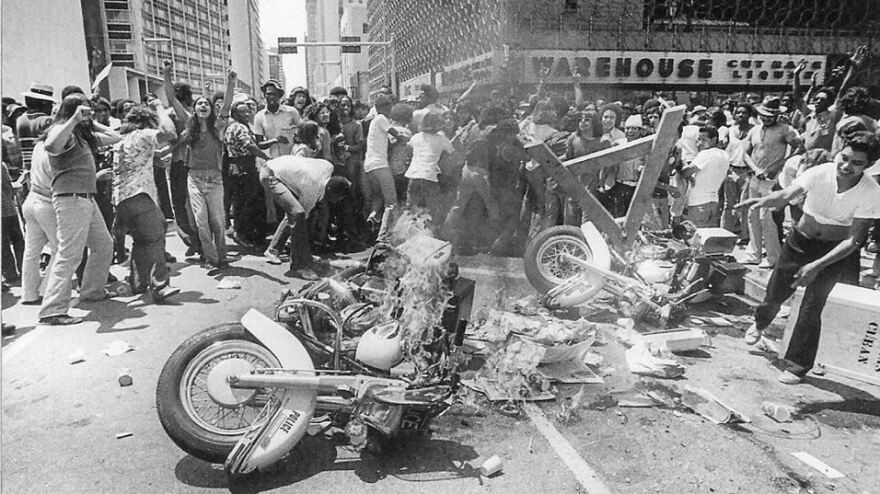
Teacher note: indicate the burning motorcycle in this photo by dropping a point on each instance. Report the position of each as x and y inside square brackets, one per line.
[373, 350]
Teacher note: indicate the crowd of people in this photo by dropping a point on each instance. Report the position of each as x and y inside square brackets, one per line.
[289, 176]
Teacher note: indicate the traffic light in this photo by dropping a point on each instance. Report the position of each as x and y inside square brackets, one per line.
[350, 48]
[286, 45]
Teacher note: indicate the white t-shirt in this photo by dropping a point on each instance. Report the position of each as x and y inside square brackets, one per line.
[427, 149]
[377, 144]
[688, 142]
[829, 207]
[712, 165]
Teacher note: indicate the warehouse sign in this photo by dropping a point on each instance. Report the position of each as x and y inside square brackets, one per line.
[645, 67]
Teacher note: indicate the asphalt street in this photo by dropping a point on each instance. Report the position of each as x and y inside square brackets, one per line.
[61, 422]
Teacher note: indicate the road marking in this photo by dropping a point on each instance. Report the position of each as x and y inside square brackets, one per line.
[582, 470]
[16, 346]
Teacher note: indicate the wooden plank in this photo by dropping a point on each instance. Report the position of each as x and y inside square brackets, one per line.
[666, 137]
[591, 206]
[611, 156]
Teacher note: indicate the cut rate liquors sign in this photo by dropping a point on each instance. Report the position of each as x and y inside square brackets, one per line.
[647, 67]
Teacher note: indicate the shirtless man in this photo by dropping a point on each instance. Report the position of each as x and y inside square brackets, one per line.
[823, 249]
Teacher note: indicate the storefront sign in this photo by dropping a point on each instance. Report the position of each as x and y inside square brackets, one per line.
[462, 73]
[645, 67]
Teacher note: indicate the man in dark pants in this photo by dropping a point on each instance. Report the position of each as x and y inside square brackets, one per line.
[297, 184]
[823, 249]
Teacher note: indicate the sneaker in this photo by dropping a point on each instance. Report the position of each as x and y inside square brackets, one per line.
[872, 248]
[765, 264]
[212, 269]
[272, 257]
[160, 294]
[753, 335]
[60, 320]
[305, 274]
[787, 377]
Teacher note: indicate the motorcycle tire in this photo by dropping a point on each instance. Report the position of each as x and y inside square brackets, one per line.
[537, 261]
[175, 401]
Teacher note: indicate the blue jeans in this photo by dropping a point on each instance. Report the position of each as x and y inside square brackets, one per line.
[80, 225]
[206, 198]
[140, 217]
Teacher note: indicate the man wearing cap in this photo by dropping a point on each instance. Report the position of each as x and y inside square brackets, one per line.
[31, 124]
[275, 125]
[766, 148]
[627, 173]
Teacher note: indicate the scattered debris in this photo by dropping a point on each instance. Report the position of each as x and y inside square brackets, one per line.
[76, 357]
[818, 465]
[125, 377]
[228, 284]
[117, 347]
[777, 411]
[677, 340]
[652, 361]
[491, 466]
[122, 435]
[706, 404]
[570, 406]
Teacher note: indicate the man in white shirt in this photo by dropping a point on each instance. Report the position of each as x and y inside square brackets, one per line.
[297, 184]
[376, 168]
[275, 125]
[707, 170]
[823, 249]
[428, 101]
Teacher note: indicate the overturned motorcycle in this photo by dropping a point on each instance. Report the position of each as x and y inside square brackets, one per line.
[374, 351]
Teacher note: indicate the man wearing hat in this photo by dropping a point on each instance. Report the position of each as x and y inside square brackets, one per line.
[276, 124]
[627, 173]
[31, 124]
[766, 148]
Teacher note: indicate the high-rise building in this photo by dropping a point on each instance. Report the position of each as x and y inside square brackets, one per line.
[355, 66]
[203, 38]
[323, 64]
[614, 47]
[248, 56]
[276, 66]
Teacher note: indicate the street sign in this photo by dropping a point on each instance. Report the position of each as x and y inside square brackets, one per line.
[353, 48]
[286, 45]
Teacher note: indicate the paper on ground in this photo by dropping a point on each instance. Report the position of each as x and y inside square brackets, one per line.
[818, 465]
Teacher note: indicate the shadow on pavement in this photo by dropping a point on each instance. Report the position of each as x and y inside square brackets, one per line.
[9, 300]
[857, 408]
[415, 460]
[111, 312]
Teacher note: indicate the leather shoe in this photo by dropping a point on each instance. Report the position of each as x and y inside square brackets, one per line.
[36, 301]
[60, 320]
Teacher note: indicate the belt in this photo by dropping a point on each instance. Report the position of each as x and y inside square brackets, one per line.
[75, 194]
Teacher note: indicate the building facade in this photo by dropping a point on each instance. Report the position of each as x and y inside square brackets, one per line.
[276, 67]
[323, 63]
[135, 36]
[355, 66]
[612, 46]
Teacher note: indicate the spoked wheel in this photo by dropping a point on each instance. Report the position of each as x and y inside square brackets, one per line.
[201, 413]
[545, 260]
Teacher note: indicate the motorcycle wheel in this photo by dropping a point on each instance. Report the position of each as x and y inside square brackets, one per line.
[198, 410]
[543, 260]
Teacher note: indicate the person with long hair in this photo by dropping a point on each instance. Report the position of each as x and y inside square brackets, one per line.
[134, 193]
[320, 114]
[205, 179]
[248, 199]
[586, 140]
[72, 143]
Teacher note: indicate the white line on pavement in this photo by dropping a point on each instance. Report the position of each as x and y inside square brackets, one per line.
[582, 470]
[16, 346]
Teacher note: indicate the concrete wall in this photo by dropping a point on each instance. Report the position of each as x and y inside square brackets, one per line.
[48, 47]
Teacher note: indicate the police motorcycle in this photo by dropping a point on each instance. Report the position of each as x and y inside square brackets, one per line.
[246, 393]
